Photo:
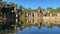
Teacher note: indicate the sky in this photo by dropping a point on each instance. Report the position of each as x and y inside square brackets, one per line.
[36, 3]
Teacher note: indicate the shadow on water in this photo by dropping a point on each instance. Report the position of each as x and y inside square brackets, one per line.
[6, 27]
[9, 26]
[7, 20]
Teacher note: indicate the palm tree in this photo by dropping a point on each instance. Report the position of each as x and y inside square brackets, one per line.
[11, 4]
[21, 8]
[50, 9]
[39, 7]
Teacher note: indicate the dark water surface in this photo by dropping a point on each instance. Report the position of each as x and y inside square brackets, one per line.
[25, 28]
[34, 30]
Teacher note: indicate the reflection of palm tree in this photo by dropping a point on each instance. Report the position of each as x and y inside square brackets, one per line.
[58, 25]
[40, 25]
[21, 27]
[50, 25]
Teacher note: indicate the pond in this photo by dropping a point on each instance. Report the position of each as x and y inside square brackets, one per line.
[36, 30]
[11, 27]
[32, 29]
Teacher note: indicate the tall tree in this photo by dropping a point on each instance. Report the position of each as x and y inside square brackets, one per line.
[39, 7]
[21, 8]
[29, 9]
[12, 4]
[50, 9]
[3, 4]
[58, 10]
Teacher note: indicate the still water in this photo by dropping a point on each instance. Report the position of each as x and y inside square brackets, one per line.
[34, 29]
[25, 28]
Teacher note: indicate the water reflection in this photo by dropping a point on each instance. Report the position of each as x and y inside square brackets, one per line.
[9, 26]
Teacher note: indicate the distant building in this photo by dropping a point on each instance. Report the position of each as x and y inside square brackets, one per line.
[34, 17]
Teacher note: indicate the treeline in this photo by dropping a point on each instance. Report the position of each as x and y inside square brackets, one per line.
[7, 8]
[47, 11]
[22, 9]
